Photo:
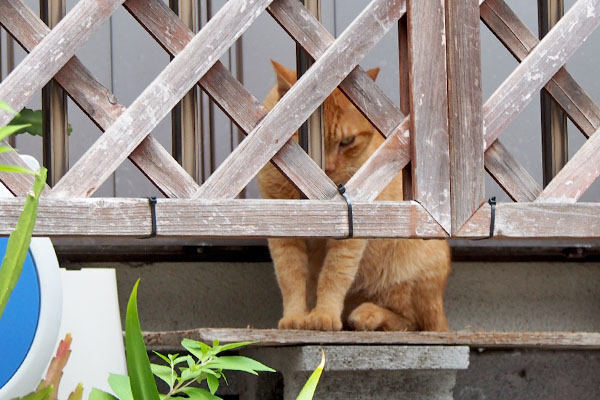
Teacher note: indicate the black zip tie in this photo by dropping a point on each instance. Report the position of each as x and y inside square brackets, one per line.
[342, 189]
[492, 202]
[152, 202]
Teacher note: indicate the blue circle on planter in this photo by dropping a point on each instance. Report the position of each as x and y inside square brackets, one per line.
[19, 321]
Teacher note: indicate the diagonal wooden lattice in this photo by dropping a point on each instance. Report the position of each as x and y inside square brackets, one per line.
[445, 147]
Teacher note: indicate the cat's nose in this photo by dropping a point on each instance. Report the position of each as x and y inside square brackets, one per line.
[329, 169]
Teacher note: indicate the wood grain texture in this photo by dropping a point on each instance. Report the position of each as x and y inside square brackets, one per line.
[382, 167]
[302, 100]
[520, 41]
[510, 174]
[536, 221]
[100, 104]
[17, 184]
[360, 89]
[363, 93]
[53, 51]
[231, 96]
[179, 218]
[481, 339]
[184, 71]
[429, 109]
[465, 122]
[539, 66]
[576, 176]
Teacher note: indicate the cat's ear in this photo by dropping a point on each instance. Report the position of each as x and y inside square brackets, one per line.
[285, 78]
[373, 72]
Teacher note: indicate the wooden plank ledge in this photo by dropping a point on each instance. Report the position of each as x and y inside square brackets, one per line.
[481, 339]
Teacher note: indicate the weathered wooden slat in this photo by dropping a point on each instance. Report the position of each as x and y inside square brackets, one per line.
[375, 175]
[17, 184]
[576, 176]
[533, 220]
[382, 167]
[177, 218]
[310, 91]
[429, 108]
[510, 174]
[186, 69]
[241, 106]
[465, 123]
[53, 52]
[539, 66]
[358, 86]
[519, 40]
[482, 339]
[99, 104]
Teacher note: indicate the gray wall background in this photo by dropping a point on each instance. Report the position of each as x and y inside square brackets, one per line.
[126, 59]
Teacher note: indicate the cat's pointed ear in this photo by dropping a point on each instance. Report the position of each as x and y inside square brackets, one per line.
[373, 72]
[285, 78]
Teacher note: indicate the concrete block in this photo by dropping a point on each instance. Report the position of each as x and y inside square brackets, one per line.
[365, 372]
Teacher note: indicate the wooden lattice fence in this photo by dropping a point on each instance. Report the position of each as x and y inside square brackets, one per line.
[443, 128]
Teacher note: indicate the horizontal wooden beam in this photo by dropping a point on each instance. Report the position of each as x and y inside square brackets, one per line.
[536, 221]
[177, 218]
[273, 337]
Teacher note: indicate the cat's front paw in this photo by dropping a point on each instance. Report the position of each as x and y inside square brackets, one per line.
[296, 321]
[323, 321]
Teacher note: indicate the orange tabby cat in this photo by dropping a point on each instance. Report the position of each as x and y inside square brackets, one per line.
[393, 284]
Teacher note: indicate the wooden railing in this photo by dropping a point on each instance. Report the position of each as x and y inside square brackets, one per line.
[448, 134]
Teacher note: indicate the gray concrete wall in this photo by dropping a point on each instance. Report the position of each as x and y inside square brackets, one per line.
[480, 296]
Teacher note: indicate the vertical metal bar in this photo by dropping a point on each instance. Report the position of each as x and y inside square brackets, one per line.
[311, 132]
[184, 117]
[404, 96]
[54, 107]
[555, 150]
[10, 65]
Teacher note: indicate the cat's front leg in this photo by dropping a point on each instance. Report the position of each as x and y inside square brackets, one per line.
[336, 277]
[291, 266]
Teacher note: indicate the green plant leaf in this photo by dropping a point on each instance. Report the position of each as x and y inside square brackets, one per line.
[238, 363]
[32, 120]
[198, 349]
[165, 373]
[213, 383]
[219, 349]
[77, 394]
[4, 149]
[18, 242]
[97, 394]
[162, 357]
[199, 394]
[121, 385]
[14, 168]
[6, 131]
[6, 107]
[143, 385]
[310, 386]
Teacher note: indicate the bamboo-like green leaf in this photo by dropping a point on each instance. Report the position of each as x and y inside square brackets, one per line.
[6, 107]
[120, 384]
[143, 385]
[97, 394]
[310, 386]
[14, 168]
[18, 242]
[238, 363]
[8, 130]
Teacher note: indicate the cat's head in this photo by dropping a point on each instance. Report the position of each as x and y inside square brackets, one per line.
[348, 134]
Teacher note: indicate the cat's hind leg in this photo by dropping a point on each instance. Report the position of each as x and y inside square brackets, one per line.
[428, 302]
[371, 317]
